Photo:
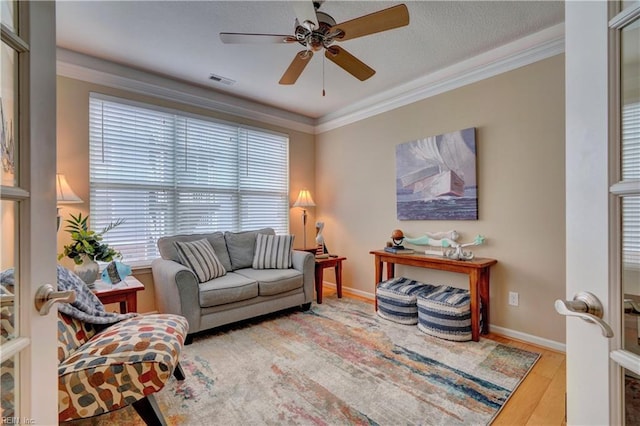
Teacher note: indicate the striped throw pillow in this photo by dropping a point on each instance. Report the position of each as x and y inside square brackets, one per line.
[273, 252]
[201, 259]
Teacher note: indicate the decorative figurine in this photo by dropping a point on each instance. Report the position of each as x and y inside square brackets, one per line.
[458, 254]
[436, 239]
[449, 247]
[321, 248]
[115, 272]
[397, 236]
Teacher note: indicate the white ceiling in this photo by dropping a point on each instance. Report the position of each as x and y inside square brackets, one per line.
[179, 39]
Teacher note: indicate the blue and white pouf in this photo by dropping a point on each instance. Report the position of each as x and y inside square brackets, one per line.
[397, 299]
[445, 313]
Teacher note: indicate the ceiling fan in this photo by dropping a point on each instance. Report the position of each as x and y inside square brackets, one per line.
[316, 30]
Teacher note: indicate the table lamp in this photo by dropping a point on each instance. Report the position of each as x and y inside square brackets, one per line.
[64, 194]
[304, 200]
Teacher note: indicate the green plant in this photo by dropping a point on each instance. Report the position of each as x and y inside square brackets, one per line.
[88, 242]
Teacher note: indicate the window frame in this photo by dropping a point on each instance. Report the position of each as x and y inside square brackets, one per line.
[141, 250]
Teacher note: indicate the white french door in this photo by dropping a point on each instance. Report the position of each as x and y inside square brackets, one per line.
[27, 209]
[603, 206]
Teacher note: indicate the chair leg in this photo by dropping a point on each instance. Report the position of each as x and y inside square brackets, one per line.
[147, 408]
[188, 340]
[178, 372]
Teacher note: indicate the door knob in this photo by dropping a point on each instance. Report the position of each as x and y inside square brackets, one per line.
[587, 306]
[46, 296]
[635, 306]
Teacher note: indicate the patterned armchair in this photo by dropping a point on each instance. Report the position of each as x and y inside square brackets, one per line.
[124, 364]
[106, 360]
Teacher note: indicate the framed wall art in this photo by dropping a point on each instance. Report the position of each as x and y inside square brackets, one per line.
[436, 177]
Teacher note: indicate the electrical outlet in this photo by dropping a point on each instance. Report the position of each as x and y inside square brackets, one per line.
[513, 298]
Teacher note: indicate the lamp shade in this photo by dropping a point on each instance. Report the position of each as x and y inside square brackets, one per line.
[304, 199]
[64, 193]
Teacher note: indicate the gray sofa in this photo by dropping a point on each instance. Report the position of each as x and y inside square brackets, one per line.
[243, 292]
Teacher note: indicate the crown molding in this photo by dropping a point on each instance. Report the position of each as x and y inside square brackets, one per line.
[527, 50]
[98, 71]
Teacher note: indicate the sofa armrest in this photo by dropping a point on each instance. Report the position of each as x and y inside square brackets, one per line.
[304, 262]
[177, 291]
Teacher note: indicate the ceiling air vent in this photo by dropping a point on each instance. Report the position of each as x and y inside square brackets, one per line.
[220, 79]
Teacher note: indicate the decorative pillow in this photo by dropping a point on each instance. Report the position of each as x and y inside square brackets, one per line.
[201, 259]
[241, 246]
[273, 252]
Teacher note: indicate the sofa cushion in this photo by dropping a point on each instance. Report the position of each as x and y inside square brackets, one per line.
[274, 281]
[227, 289]
[200, 258]
[273, 252]
[168, 250]
[241, 246]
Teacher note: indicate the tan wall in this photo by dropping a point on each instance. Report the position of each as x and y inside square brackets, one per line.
[519, 121]
[73, 160]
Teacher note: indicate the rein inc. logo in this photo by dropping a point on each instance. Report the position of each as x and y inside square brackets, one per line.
[18, 421]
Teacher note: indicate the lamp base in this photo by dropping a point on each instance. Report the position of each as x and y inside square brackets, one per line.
[304, 228]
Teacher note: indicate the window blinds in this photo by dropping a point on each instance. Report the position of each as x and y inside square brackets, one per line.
[167, 173]
[631, 171]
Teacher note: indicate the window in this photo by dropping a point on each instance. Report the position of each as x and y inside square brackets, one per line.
[167, 172]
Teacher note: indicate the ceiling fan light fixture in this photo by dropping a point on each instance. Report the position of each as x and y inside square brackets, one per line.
[310, 26]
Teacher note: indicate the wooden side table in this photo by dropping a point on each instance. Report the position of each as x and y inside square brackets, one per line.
[125, 293]
[335, 262]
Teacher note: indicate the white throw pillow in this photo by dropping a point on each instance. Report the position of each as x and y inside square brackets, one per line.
[201, 259]
[273, 252]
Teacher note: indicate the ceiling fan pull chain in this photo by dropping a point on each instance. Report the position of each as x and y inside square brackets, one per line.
[323, 59]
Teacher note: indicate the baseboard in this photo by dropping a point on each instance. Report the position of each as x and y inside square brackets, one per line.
[529, 338]
[360, 293]
[513, 334]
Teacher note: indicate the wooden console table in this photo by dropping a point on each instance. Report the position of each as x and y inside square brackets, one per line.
[477, 269]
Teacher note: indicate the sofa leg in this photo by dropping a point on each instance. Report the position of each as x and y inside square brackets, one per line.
[188, 340]
[147, 408]
[306, 306]
[178, 372]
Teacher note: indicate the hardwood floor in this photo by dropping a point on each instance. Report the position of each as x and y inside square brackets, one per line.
[540, 398]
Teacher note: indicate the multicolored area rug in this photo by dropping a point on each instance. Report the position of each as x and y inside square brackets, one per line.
[337, 364]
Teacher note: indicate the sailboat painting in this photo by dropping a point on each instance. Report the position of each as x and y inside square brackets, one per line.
[436, 177]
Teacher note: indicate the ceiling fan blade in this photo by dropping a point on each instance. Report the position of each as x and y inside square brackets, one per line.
[349, 63]
[305, 13]
[383, 20]
[240, 38]
[296, 67]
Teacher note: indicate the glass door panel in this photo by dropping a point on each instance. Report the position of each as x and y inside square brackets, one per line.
[9, 14]
[630, 97]
[8, 283]
[8, 381]
[632, 398]
[629, 39]
[12, 339]
[8, 114]
[8, 308]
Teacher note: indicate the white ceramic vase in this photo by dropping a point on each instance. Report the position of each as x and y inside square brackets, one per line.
[88, 270]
